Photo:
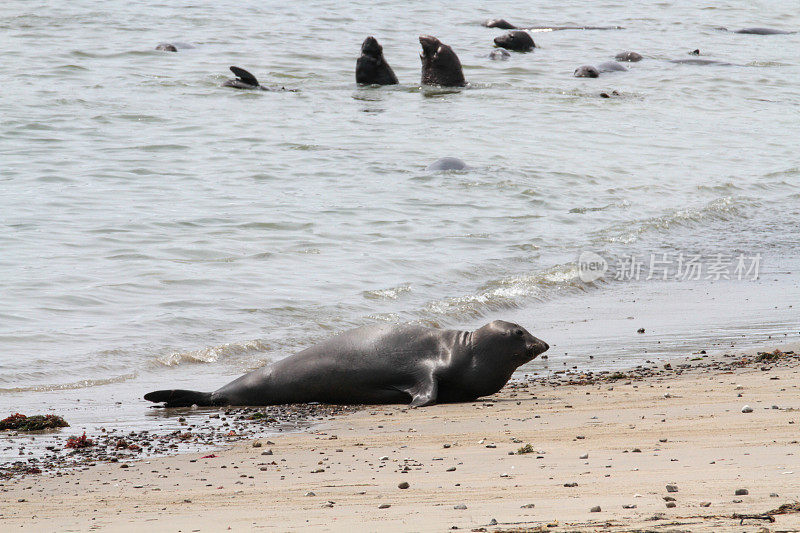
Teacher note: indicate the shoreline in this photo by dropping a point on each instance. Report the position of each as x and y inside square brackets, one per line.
[641, 430]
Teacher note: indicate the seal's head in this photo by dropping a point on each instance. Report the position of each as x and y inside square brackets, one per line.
[509, 341]
[503, 24]
[440, 65]
[632, 57]
[586, 71]
[371, 47]
[519, 41]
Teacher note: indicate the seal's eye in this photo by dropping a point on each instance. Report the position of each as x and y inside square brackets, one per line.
[519, 333]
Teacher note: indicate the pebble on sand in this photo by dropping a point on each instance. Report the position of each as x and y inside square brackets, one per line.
[460, 507]
[595, 509]
[747, 409]
[672, 488]
[670, 505]
[403, 485]
[584, 456]
[741, 492]
[384, 506]
[705, 504]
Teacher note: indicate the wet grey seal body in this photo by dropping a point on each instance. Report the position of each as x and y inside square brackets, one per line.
[379, 365]
[588, 71]
[371, 67]
[503, 24]
[519, 41]
[447, 163]
[440, 65]
[759, 31]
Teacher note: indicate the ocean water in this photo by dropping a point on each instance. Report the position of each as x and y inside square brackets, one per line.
[158, 230]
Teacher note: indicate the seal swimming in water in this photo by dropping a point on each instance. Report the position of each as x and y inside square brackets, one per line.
[173, 47]
[588, 71]
[245, 80]
[503, 24]
[519, 41]
[759, 31]
[447, 163]
[371, 67]
[631, 57]
[440, 65]
[499, 55]
[379, 365]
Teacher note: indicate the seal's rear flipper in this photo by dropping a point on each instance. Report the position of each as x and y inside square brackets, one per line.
[179, 398]
[245, 76]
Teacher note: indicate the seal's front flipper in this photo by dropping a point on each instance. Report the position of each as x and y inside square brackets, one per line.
[245, 76]
[424, 393]
[179, 398]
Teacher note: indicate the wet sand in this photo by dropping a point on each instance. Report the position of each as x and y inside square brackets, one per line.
[642, 431]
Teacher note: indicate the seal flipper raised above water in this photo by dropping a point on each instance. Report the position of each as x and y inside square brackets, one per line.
[371, 67]
[244, 80]
[440, 65]
[381, 364]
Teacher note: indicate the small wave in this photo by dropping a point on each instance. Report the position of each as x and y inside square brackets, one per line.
[82, 384]
[387, 294]
[212, 354]
[510, 292]
[719, 209]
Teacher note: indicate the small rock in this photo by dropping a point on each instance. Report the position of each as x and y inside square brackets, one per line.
[384, 458]
[773, 494]
[460, 507]
[445, 445]
[309, 493]
[629, 506]
[672, 488]
[256, 444]
[268, 452]
[747, 409]
[741, 492]
[595, 509]
[327, 504]
[451, 469]
[669, 499]
[493, 522]
[705, 504]
[640, 330]
[636, 450]
[403, 485]
[573, 484]
[584, 456]
[670, 505]
[384, 506]
[528, 506]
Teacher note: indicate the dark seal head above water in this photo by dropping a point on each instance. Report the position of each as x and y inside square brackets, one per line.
[519, 41]
[503, 24]
[440, 65]
[371, 67]
[381, 364]
[586, 71]
[447, 163]
[631, 57]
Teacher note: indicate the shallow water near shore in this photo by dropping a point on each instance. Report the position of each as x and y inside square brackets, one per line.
[159, 230]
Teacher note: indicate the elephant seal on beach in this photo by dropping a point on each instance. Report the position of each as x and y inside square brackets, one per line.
[519, 41]
[371, 67]
[440, 65]
[379, 365]
[447, 163]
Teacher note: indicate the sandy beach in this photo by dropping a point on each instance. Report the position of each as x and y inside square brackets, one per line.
[616, 443]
